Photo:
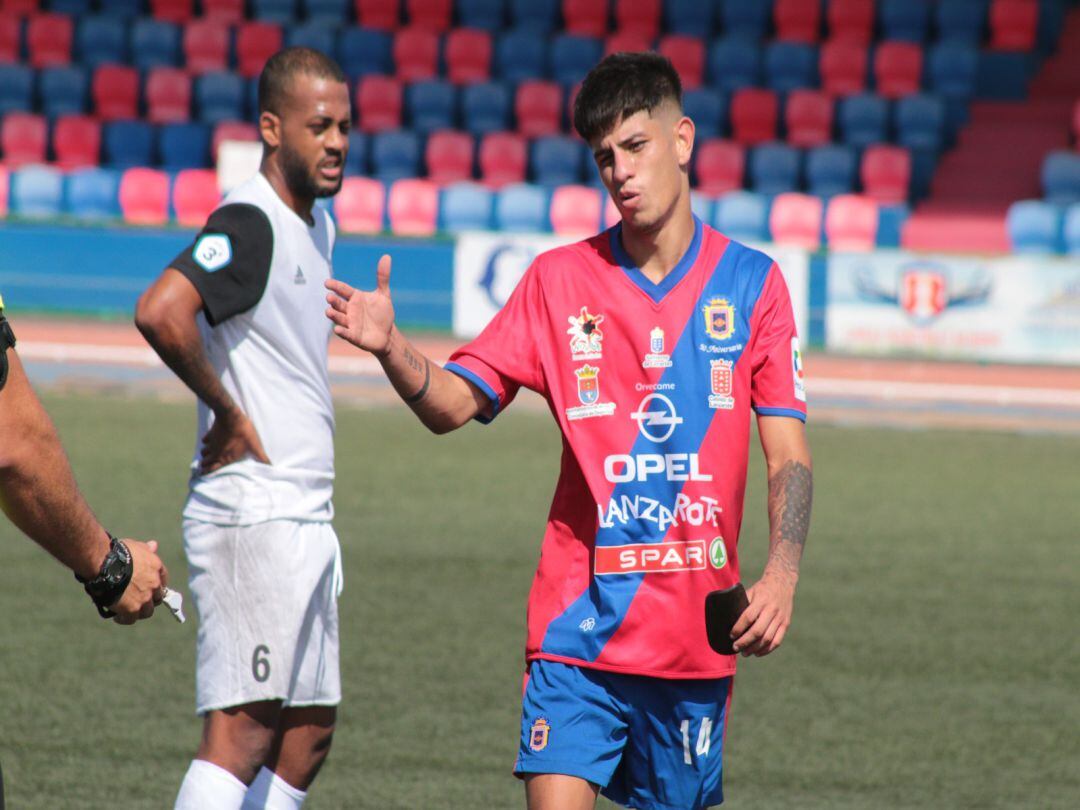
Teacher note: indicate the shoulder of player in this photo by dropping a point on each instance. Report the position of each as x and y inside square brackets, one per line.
[568, 258]
[243, 220]
[750, 265]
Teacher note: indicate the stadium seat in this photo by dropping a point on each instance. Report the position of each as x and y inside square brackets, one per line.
[1033, 226]
[1072, 230]
[364, 51]
[384, 15]
[898, 69]
[960, 21]
[694, 17]
[1061, 178]
[431, 105]
[797, 20]
[379, 101]
[520, 55]
[466, 207]
[907, 20]
[920, 123]
[830, 170]
[575, 210]
[705, 107]
[745, 19]
[642, 17]
[808, 116]
[195, 195]
[10, 38]
[63, 90]
[168, 96]
[144, 196]
[488, 15]
[21, 8]
[863, 120]
[702, 205]
[416, 54]
[851, 223]
[754, 113]
[76, 142]
[323, 13]
[227, 11]
[101, 39]
[48, 40]
[503, 159]
[433, 15]
[587, 18]
[92, 193]
[276, 12]
[538, 108]
[36, 191]
[572, 56]
[16, 88]
[734, 63]
[360, 206]
[687, 54]
[719, 166]
[184, 146]
[5, 182]
[236, 131]
[356, 162]
[127, 143]
[540, 16]
[485, 107]
[627, 41]
[317, 34]
[205, 44]
[413, 207]
[953, 71]
[1013, 24]
[154, 43]
[175, 11]
[790, 66]
[255, 43]
[468, 56]
[73, 8]
[742, 215]
[795, 219]
[115, 92]
[886, 173]
[521, 208]
[851, 21]
[774, 168]
[219, 96]
[556, 160]
[395, 154]
[23, 139]
[842, 65]
[448, 156]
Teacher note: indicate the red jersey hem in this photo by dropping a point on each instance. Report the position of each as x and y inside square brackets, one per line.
[647, 673]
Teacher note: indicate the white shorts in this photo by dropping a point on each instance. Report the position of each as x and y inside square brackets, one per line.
[266, 596]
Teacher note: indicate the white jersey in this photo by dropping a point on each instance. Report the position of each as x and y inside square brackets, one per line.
[260, 271]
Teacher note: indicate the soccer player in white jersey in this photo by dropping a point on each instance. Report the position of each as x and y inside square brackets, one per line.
[238, 317]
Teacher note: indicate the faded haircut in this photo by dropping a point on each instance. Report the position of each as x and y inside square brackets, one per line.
[283, 65]
[619, 86]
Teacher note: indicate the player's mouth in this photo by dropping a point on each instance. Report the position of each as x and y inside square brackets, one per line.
[330, 169]
[629, 199]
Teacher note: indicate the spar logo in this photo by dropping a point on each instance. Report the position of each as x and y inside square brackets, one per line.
[656, 423]
[650, 558]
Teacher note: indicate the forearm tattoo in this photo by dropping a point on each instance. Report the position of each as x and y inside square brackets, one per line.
[790, 494]
[419, 395]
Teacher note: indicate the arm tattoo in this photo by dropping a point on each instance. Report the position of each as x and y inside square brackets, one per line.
[790, 494]
[419, 395]
[412, 360]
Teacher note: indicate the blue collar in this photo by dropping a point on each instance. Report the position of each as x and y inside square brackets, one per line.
[655, 291]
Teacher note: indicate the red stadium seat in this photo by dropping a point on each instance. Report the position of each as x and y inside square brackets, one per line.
[797, 20]
[255, 43]
[382, 14]
[687, 55]
[23, 139]
[503, 159]
[195, 194]
[360, 205]
[1013, 24]
[468, 55]
[416, 54]
[433, 15]
[754, 112]
[626, 41]
[48, 39]
[4, 182]
[176, 11]
[851, 222]
[886, 173]
[795, 219]
[168, 96]
[538, 107]
[232, 131]
[898, 69]
[206, 46]
[842, 65]
[449, 157]
[639, 17]
[808, 115]
[9, 38]
[851, 20]
[115, 92]
[144, 196]
[76, 141]
[1076, 124]
[719, 166]
[585, 17]
[225, 11]
[379, 102]
[414, 207]
[21, 8]
[575, 210]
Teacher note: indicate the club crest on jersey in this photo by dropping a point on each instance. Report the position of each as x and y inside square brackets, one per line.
[538, 734]
[212, 252]
[720, 318]
[588, 392]
[721, 382]
[585, 335]
[656, 358]
[797, 370]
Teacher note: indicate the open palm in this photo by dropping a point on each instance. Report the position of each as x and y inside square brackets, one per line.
[365, 319]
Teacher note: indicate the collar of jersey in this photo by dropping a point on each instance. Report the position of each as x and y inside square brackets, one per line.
[655, 291]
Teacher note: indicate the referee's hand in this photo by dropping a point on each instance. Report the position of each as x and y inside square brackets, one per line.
[231, 438]
[149, 577]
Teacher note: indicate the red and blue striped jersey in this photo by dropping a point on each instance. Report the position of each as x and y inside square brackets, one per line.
[652, 386]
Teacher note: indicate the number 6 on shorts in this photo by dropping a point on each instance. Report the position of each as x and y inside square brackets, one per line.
[260, 664]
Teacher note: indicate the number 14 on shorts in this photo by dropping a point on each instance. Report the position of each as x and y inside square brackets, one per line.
[704, 738]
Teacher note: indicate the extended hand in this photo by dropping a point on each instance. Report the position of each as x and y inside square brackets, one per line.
[365, 319]
[230, 439]
[762, 626]
[147, 587]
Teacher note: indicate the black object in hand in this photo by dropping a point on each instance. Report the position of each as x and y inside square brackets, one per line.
[722, 610]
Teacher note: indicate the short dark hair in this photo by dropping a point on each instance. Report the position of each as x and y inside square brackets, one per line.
[283, 65]
[621, 85]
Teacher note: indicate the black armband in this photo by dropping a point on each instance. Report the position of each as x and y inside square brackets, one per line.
[7, 341]
[112, 580]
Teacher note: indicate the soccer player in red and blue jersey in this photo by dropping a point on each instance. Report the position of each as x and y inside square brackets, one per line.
[652, 343]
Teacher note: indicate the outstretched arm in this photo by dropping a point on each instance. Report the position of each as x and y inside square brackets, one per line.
[441, 399]
[762, 627]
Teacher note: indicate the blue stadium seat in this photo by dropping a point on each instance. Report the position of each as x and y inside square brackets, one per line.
[863, 120]
[790, 66]
[774, 168]
[466, 207]
[356, 162]
[16, 88]
[485, 107]
[520, 55]
[63, 90]
[952, 72]
[282, 12]
[1072, 230]
[316, 34]
[219, 96]
[908, 20]
[395, 154]
[122, 9]
[746, 19]
[521, 207]
[154, 43]
[489, 15]
[128, 143]
[101, 39]
[691, 17]
[363, 50]
[734, 63]
[557, 160]
[1061, 178]
[332, 12]
[960, 21]
[73, 8]
[742, 215]
[37, 191]
[184, 146]
[92, 193]
[702, 205]
[831, 170]
[431, 105]
[573, 56]
[920, 122]
[707, 110]
[539, 16]
[1034, 226]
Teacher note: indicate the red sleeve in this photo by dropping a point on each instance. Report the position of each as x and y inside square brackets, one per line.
[777, 387]
[506, 355]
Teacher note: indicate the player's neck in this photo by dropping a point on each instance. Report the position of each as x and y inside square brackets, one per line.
[657, 252]
[301, 206]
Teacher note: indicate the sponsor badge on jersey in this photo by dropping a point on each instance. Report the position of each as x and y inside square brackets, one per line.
[797, 369]
[585, 336]
[588, 392]
[650, 558]
[718, 553]
[720, 318]
[538, 734]
[720, 383]
[212, 252]
[656, 358]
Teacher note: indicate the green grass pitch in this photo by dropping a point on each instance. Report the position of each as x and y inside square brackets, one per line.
[933, 662]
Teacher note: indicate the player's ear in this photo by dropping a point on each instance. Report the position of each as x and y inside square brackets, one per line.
[270, 129]
[684, 140]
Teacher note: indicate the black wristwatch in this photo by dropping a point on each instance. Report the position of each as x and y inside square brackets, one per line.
[7, 341]
[112, 580]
